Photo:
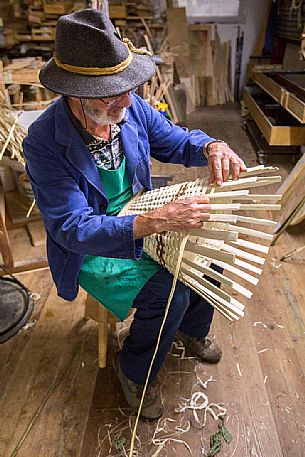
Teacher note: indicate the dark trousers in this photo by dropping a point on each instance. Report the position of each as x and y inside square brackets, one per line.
[188, 312]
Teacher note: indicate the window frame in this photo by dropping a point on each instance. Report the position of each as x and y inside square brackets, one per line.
[235, 19]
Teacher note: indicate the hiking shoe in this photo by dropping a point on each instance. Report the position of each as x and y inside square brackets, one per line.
[152, 408]
[204, 349]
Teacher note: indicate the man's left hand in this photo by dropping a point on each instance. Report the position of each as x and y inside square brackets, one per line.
[222, 162]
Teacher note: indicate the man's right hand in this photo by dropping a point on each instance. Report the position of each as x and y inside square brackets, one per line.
[180, 215]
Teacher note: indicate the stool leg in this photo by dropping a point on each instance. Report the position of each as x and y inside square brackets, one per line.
[87, 308]
[112, 321]
[91, 308]
[5, 247]
[102, 335]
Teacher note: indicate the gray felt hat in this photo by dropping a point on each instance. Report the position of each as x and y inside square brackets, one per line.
[91, 60]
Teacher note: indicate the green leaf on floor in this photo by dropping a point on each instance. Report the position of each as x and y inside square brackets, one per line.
[227, 436]
[120, 444]
[215, 444]
[216, 439]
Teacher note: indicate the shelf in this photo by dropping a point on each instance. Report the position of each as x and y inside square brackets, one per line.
[281, 87]
[277, 125]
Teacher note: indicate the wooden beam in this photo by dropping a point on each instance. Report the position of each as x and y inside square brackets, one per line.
[5, 247]
[293, 194]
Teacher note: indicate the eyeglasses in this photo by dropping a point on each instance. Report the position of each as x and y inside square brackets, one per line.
[115, 100]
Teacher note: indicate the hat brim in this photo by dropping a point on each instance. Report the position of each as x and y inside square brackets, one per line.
[63, 82]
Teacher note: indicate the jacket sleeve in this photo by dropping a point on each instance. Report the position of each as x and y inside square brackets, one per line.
[68, 218]
[174, 144]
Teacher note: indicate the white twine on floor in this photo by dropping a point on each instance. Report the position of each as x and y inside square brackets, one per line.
[204, 384]
[199, 402]
[170, 435]
[168, 430]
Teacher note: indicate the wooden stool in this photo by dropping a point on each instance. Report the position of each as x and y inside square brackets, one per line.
[10, 264]
[5, 246]
[96, 311]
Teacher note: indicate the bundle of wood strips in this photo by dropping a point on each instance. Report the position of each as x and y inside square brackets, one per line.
[11, 135]
[224, 240]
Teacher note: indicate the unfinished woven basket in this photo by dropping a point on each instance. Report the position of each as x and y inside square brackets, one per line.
[223, 240]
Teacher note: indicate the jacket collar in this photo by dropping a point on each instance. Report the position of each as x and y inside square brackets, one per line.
[64, 128]
[129, 138]
[78, 154]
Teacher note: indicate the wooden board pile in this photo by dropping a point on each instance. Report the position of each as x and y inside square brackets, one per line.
[161, 92]
[33, 23]
[199, 50]
[13, 24]
[136, 19]
[203, 63]
[145, 25]
[130, 10]
[23, 71]
[43, 15]
[21, 87]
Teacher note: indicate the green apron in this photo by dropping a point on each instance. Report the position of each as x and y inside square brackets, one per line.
[116, 282]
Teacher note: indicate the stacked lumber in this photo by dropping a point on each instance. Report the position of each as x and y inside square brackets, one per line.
[38, 20]
[56, 7]
[23, 71]
[136, 19]
[21, 88]
[14, 24]
[202, 61]
[117, 10]
[130, 10]
[34, 22]
[43, 15]
[140, 9]
[145, 26]
[160, 91]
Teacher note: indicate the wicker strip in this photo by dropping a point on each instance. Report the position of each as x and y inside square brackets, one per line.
[220, 241]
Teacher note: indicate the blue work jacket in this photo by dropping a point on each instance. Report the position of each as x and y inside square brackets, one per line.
[70, 194]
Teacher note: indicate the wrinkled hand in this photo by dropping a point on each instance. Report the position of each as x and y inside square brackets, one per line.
[184, 213]
[180, 215]
[222, 162]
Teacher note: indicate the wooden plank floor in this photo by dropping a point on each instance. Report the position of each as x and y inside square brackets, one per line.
[54, 402]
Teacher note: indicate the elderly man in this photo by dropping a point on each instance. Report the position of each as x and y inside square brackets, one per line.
[87, 155]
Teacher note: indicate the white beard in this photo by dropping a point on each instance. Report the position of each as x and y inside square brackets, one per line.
[103, 118]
